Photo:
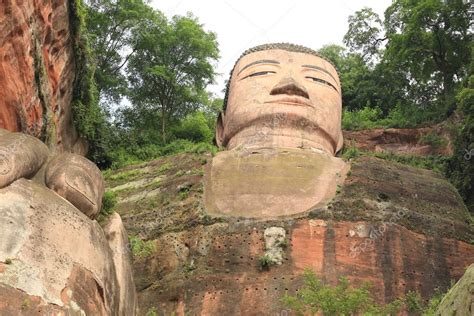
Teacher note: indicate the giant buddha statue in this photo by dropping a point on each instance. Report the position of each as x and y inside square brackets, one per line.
[278, 191]
[281, 129]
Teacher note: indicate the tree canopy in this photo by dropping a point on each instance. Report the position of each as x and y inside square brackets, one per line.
[427, 41]
[172, 66]
[112, 27]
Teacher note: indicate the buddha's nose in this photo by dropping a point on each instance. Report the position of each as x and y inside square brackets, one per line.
[289, 86]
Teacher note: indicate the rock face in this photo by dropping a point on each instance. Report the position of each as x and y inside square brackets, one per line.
[54, 259]
[270, 182]
[460, 299]
[402, 141]
[399, 227]
[37, 71]
[78, 180]
[118, 241]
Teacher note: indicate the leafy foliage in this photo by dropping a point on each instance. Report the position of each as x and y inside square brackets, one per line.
[460, 167]
[171, 67]
[141, 248]
[88, 117]
[401, 116]
[415, 305]
[364, 34]
[431, 38]
[111, 25]
[134, 155]
[413, 80]
[431, 307]
[109, 200]
[363, 119]
[350, 152]
[357, 79]
[433, 139]
[342, 299]
[265, 262]
[413, 301]
[194, 127]
[161, 65]
[152, 312]
[435, 163]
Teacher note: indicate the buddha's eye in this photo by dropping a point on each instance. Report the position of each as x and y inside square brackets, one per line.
[260, 73]
[322, 81]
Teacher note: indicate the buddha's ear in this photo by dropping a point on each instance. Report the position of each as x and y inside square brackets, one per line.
[220, 130]
[340, 142]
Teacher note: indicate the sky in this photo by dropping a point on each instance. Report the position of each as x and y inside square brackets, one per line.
[242, 24]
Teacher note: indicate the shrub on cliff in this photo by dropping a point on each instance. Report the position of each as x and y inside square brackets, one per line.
[88, 117]
[137, 154]
[194, 128]
[460, 167]
[365, 118]
[343, 299]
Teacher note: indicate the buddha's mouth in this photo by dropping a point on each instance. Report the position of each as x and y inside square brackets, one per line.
[291, 100]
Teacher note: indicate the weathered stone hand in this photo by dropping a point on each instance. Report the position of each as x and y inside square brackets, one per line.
[71, 176]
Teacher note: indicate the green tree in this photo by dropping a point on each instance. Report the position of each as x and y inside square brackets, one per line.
[194, 127]
[171, 67]
[211, 110]
[460, 167]
[336, 54]
[432, 38]
[355, 76]
[365, 33]
[359, 82]
[111, 24]
[89, 119]
[343, 299]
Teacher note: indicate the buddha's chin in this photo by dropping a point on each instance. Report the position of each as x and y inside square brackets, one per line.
[264, 137]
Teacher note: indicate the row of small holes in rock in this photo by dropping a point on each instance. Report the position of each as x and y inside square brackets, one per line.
[240, 291]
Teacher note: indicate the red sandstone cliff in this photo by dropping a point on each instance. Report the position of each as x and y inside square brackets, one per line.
[37, 71]
[399, 227]
[423, 141]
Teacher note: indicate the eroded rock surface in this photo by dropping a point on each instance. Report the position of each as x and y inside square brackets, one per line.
[270, 182]
[118, 241]
[56, 257]
[78, 180]
[275, 242]
[460, 299]
[37, 71]
[398, 227]
[402, 141]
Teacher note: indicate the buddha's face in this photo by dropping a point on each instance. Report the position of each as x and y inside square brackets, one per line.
[282, 99]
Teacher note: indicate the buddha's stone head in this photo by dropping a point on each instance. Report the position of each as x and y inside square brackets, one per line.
[282, 95]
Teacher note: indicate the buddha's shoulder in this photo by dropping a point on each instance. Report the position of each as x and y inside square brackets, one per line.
[420, 199]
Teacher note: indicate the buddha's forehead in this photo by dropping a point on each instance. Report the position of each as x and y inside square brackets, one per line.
[285, 59]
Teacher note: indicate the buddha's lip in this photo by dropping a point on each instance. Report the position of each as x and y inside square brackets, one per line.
[293, 100]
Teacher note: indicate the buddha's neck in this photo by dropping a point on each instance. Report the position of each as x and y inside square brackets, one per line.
[283, 138]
